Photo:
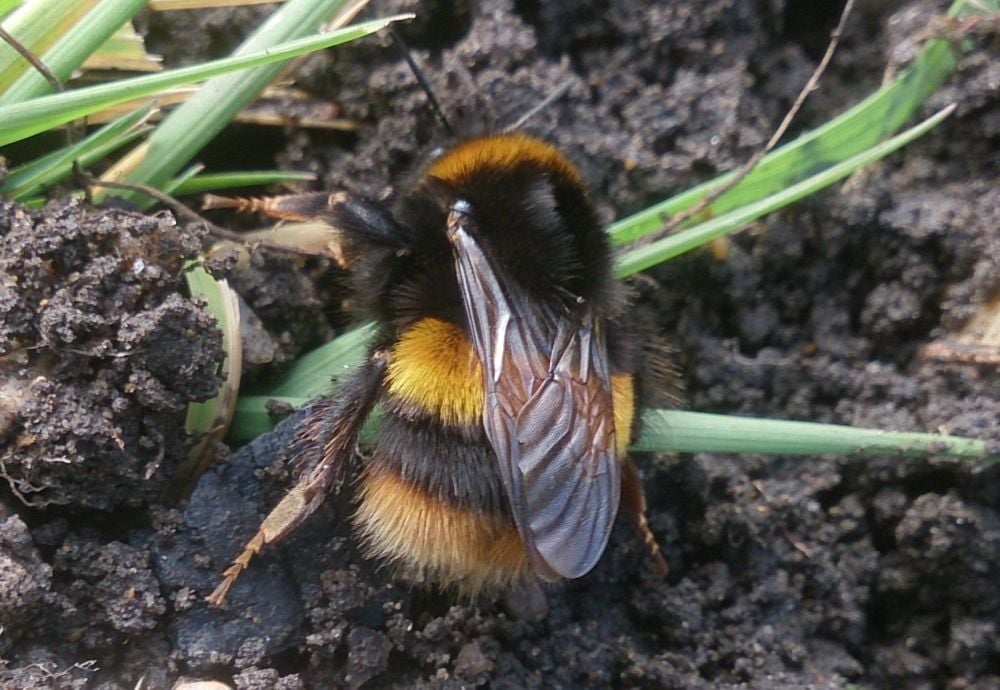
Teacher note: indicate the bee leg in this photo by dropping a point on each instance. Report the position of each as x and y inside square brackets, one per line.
[357, 225]
[526, 601]
[321, 450]
[634, 501]
[268, 205]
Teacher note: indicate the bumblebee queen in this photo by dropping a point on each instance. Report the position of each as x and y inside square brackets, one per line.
[505, 367]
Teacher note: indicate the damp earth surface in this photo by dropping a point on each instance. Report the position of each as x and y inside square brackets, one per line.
[785, 572]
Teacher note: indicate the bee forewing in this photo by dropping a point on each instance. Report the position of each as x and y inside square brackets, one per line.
[548, 412]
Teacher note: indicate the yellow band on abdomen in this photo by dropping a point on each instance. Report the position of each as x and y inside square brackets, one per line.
[435, 369]
[623, 402]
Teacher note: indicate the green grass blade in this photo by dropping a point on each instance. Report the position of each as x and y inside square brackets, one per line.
[208, 421]
[69, 52]
[43, 172]
[211, 182]
[37, 24]
[21, 120]
[310, 374]
[641, 258]
[859, 128]
[187, 129]
[8, 5]
[680, 431]
[185, 177]
[697, 432]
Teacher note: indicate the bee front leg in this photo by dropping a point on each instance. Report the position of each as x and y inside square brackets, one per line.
[357, 225]
[321, 451]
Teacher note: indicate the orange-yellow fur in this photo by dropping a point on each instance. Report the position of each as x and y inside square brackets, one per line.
[458, 547]
[502, 151]
[434, 367]
[623, 403]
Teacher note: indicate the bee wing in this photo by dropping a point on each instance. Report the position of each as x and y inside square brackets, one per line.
[548, 414]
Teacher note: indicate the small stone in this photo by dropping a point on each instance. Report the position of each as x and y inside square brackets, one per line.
[472, 662]
[184, 684]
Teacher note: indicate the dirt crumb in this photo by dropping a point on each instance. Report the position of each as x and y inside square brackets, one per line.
[24, 577]
[103, 350]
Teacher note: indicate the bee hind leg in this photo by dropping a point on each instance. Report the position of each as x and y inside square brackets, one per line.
[321, 451]
[634, 501]
[525, 601]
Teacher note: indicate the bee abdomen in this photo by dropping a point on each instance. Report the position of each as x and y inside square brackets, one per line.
[430, 539]
[442, 464]
[432, 501]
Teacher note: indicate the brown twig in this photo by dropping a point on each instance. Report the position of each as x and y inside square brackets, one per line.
[30, 56]
[152, 192]
[749, 166]
[72, 130]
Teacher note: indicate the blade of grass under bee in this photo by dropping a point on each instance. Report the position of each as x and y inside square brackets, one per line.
[37, 24]
[842, 132]
[866, 123]
[210, 182]
[192, 125]
[208, 421]
[69, 52]
[21, 120]
[697, 432]
[43, 172]
[641, 258]
[680, 431]
[310, 375]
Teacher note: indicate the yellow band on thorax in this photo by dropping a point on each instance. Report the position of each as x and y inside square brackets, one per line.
[501, 152]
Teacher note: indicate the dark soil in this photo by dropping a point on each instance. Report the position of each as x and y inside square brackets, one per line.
[785, 572]
[101, 354]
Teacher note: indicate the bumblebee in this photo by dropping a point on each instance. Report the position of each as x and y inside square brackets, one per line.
[505, 368]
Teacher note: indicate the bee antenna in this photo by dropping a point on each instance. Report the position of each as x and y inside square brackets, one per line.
[421, 79]
[546, 102]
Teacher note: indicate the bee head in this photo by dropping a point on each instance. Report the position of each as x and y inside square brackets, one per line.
[529, 210]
